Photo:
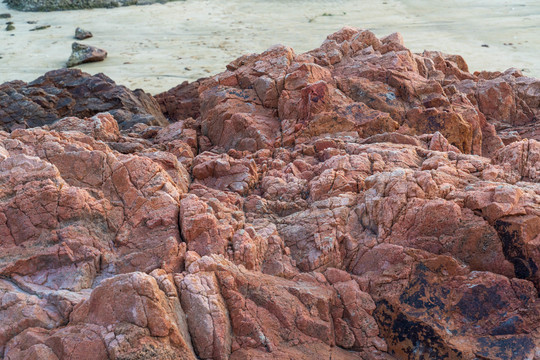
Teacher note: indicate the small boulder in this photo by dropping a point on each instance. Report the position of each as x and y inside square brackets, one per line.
[85, 53]
[5, 16]
[81, 34]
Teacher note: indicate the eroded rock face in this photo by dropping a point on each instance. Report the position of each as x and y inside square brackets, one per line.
[332, 204]
[70, 92]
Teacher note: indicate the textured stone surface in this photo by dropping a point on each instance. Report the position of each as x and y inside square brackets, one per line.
[81, 34]
[82, 53]
[70, 92]
[333, 204]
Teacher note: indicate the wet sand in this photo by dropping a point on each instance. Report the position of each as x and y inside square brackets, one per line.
[158, 46]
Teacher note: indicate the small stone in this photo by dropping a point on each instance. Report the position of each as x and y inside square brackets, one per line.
[485, 45]
[31, 22]
[85, 53]
[5, 16]
[42, 27]
[81, 34]
[10, 27]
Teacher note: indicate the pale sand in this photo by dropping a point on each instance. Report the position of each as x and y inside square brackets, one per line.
[157, 47]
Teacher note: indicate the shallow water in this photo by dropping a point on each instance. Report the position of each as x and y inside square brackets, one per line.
[158, 46]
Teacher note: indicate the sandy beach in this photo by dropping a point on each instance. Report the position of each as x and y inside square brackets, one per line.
[158, 46]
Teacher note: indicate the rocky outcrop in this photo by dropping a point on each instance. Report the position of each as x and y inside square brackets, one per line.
[54, 5]
[62, 93]
[352, 202]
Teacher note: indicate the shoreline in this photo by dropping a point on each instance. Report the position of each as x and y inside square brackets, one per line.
[202, 37]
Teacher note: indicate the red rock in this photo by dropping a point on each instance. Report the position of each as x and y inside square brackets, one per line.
[521, 160]
[127, 315]
[353, 202]
[181, 102]
[440, 143]
[451, 125]
[225, 173]
[207, 315]
[229, 120]
[497, 100]
[100, 127]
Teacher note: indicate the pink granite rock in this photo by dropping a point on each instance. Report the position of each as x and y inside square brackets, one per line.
[357, 201]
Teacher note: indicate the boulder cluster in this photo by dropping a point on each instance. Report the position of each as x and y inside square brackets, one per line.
[357, 201]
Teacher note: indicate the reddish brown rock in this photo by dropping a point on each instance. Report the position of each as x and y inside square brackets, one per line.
[451, 125]
[207, 315]
[225, 173]
[521, 160]
[261, 322]
[102, 126]
[464, 316]
[125, 316]
[357, 201]
[181, 102]
[95, 208]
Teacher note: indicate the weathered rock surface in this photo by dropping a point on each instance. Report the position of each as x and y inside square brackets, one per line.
[70, 92]
[81, 34]
[82, 53]
[54, 5]
[357, 201]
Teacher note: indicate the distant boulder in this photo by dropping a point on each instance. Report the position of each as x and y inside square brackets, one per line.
[81, 34]
[82, 53]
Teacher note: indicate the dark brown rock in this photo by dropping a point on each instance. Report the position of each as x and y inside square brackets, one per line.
[66, 92]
